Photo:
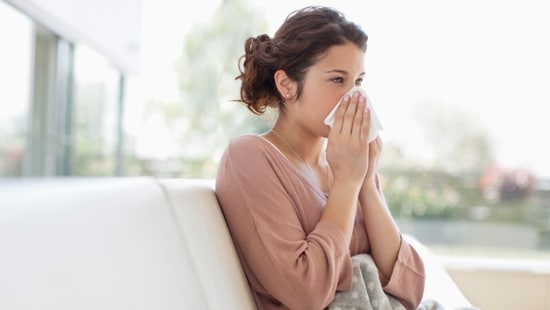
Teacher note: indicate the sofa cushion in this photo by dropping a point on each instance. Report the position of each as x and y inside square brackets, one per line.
[92, 244]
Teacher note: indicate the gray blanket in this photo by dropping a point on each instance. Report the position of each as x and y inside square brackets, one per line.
[366, 292]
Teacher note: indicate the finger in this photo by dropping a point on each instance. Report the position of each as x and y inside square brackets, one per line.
[375, 148]
[365, 129]
[349, 116]
[360, 117]
[377, 143]
[339, 117]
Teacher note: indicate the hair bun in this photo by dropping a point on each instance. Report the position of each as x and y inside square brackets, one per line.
[261, 43]
[263, 38]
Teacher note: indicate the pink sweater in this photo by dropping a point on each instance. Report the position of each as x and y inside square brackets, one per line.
[291, 259]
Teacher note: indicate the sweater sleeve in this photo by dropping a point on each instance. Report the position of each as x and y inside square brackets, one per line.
[298, 269]
[407, 280]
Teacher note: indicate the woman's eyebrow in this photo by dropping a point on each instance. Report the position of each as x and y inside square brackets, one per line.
[337, 71]
[342, 72]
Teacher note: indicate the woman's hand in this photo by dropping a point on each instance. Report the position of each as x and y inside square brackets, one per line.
[348, 149]
[375, 149]
[347, 154]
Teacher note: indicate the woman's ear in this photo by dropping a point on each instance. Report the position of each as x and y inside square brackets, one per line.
[285, 85]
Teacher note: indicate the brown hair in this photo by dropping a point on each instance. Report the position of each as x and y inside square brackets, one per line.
[301, 40]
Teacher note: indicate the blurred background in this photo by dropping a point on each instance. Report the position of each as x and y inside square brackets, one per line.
[144, 87]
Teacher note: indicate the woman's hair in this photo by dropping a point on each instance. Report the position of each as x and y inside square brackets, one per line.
[301, 40]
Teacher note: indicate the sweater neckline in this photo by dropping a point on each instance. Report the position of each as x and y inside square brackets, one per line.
[288, 163]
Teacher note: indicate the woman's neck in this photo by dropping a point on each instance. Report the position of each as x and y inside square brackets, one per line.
[299, 144]
[305, 152]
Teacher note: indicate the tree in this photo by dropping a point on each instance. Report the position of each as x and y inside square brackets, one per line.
[459, 141]
[205, 117]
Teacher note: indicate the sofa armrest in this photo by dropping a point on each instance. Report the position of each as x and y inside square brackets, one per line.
[439, 284]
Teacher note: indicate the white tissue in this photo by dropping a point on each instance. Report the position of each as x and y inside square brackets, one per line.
[375, 125]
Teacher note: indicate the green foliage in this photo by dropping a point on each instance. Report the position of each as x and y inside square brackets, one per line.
[423, 194]
[446, 186]
[205, 117]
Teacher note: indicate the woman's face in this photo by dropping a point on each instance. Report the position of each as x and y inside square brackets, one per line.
[341, 68]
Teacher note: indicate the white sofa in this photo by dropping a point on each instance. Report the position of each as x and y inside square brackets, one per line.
[130, 243]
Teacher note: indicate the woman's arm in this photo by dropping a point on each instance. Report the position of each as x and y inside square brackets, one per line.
[383, 234]
[400, 267]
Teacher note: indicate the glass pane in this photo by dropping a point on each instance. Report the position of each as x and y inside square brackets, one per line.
[15, 80]
[95, 114]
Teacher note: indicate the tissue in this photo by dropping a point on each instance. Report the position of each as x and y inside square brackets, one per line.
[375, 125]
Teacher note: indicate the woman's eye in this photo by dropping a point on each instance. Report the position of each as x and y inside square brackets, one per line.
[358, 82]
[337, 80]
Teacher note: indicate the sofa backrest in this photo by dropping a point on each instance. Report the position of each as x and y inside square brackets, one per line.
[116, 243]
[209, 243]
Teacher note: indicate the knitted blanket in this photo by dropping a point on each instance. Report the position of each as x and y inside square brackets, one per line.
[366, 292]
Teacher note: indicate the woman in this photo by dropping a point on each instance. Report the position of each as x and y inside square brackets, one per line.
[303, 198]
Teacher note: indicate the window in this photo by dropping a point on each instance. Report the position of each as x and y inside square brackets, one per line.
[15, 78]
[95, 114]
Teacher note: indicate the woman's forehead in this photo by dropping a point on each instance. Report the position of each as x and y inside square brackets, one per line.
[348, 58]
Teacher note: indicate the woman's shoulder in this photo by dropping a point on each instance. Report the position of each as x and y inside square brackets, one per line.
[251, 153]
[248, 142]
[246, 139]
